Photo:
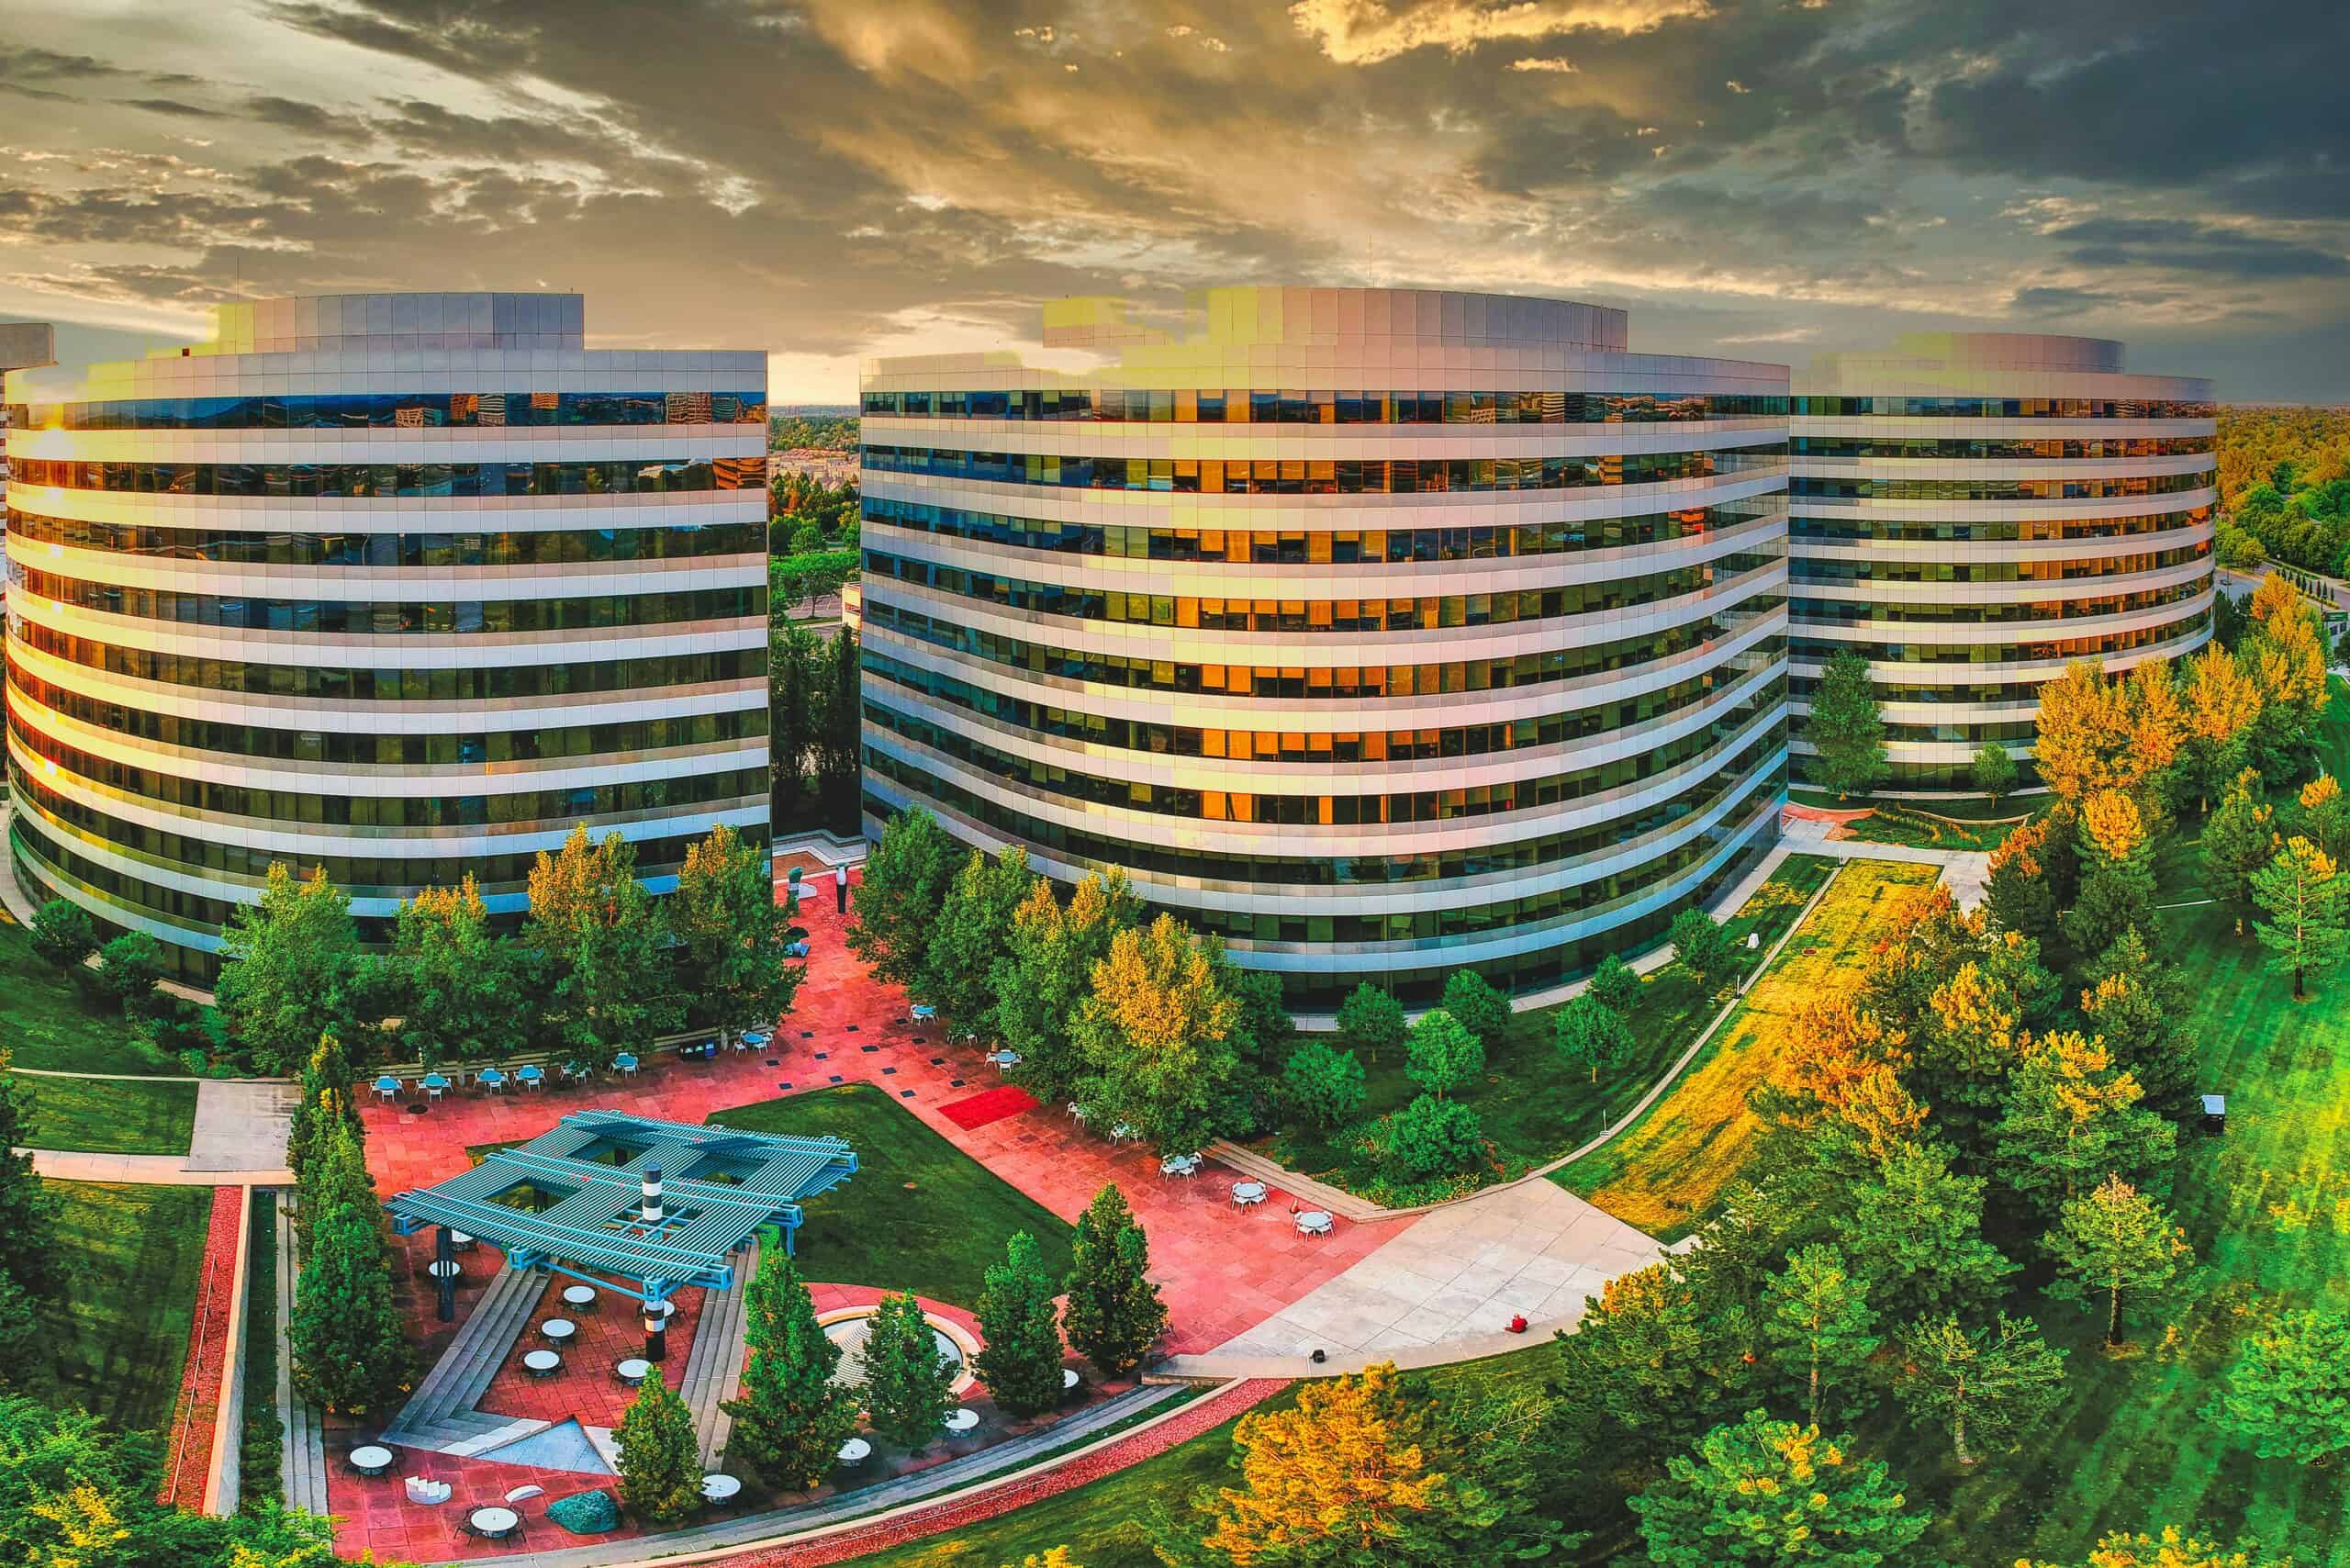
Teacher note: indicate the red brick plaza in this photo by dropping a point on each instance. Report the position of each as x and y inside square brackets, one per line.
[1221, 1269]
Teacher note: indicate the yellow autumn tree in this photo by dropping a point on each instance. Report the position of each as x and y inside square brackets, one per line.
[2173, 1547]
[2113, 823]
[1055, 1557]
[2157, 719]
[2085, 734]
[1347, 1468]
[2286, 654]
[1841, 1064]
[1154, 1038]
[2221, 701]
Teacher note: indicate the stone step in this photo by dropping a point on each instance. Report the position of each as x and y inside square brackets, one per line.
[463, 1375]
[715, 1361]
[1306, 1190]
[302, 1461]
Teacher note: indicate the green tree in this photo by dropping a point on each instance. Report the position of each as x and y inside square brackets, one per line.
[1770, 1492]
[1996, 1383]
[2288, 1393]
[129, 969]
[735, 936]
[1700, 946]
[1157, 1038]
[28, 1211]
[454, 976]
[1324, 1083]
[2304, 897]
[1914, 1228]
[63, 934]
[792, 689]
[1371, 1020]
[1615, 985]
[2239, 839]
[2112, 1239]
[1114, 1315]
[1652, 1363]
[1846, 728]
[1432, 1137]
[908, 1384]
[1442, 1054]
[1818, 1322]
[660, 1458]
[2116, 886]
[2137, 1004]
[602, 945]
[1993, 772]
[1473, 1003]
[349, 1353]
[1020, 1359]
[2073, 1119]
[1047, 969]
[898, 899]
[2173, 1547]
[325, 1100]
[972, 935]
[1591, 1035]
[289, 961]
[791, 1418]
[840, 734]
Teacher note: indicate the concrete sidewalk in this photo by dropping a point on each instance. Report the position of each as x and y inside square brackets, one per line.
[147, 1170]
[1964, 871]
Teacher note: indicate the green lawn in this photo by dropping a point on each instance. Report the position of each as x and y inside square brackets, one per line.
[1532, 1107]
[114, 1343]
[1890, 822]
[109, 1115]
[918, 1214]
[1960, 808]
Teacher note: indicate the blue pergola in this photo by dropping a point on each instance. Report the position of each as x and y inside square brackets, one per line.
[586, 1182]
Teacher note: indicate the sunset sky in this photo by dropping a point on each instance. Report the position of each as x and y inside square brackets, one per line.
[840, 178]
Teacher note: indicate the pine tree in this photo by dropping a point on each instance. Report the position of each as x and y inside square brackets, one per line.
[1846, 727]
[1114, 1315]
[2239, 839]
[1816, 1318]
[2113, 1239]
[28, 1210]
[2117, 891]
[2287, 1394]
[660, 1457]
[2173, 1548]
[791, 1418]
[1021, 1359]
[349, 1353]
[325, 1100]
[2308, 905]
[2136, 1003]
[908, 1384]
[1729, 1506]
[1994, 1383]
[1591, 1035]
[1915, 1230]
[1443, 1054]
[2074, 1119]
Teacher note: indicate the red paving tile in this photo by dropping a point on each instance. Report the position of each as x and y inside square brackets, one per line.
[196, 1415]
[1220, 1269]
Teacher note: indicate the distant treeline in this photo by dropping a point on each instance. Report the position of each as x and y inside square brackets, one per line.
[2285, 488]
[828, 433]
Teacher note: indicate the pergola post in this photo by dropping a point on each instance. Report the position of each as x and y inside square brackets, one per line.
[657, 1325]
[444, 1273]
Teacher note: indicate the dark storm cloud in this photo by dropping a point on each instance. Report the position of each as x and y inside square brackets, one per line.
[2182, 245]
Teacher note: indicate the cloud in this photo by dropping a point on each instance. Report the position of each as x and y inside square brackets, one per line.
[1366, 32]
[1560, 66]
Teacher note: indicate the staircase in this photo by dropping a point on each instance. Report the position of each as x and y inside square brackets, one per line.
[716, 1360]
[302, 1457]
[440, 1415]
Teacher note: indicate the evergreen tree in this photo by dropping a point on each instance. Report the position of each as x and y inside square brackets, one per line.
[972, 935]
[735, 936]
[349, 1354]
[2221, 705]
[2117, 891]
[63, 935]
[2324, 815]
[2073, 1120]
[791, 1418]
[1615, 985]
[1846, 727]
[2112, 1239]
[1915, 1230]
[2287, 1394]
[1047, 969]
[1993, 772]
[1591, 1035]
[1371, 1020]
[1021, 1360]
[2136, 1003]
[899, 896]
[2173, 1548]
[792, 682]
[1114, 1315]
[908, 1384]
[601, 944]
[2017, 896]
[454, 976]
[1651, 1364]
[2308, 905]
[1770, 1492]
[1323, 1084]
[1473, 1003]
[1816, 1319]
[289, 961]
[28, 1210]
[325, 1101]
[660, 1458]
[1442, 1054]
[840, 734]
[2239, 839]
[1700, 946]
[1994, 1383]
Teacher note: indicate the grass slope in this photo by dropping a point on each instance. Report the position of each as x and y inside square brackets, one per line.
[109, 1115]
[1532, 1106]
[116, 1342]
[45, 1023]
[918, 1214]
[1667, 1172]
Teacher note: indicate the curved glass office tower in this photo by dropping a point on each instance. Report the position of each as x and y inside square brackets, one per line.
[401, 585]
[1974, 511]
[1384, 632]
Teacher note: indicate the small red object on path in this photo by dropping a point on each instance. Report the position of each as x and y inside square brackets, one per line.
[1518, 1325]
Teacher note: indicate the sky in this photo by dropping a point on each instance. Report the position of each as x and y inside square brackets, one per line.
[837, 179]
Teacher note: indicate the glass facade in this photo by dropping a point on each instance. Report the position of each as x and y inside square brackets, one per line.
[258, 613]
[1375, 685]
[1973, 512]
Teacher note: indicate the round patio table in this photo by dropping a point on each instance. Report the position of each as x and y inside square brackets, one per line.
[542, 1363]
[581, 1296]
[634, 1369]
[370, 1458]
[558, 1329]
[962, 1419]
[1069, 1379]
[856, 1450]
[495, 1523]
[1314, 1222]
[1247, 1193]
[721, 1489]
[452, 1269]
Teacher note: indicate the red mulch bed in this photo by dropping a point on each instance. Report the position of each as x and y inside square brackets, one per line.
[994, 1105]
[188, 1463]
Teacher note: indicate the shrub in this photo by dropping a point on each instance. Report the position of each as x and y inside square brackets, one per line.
[129, 967]
[1433, 1137]
[63, 934]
